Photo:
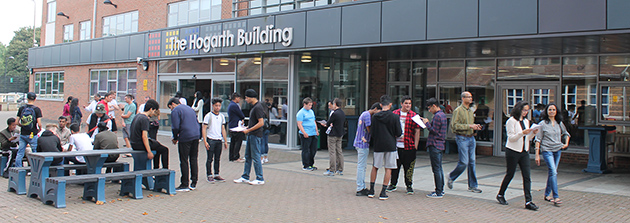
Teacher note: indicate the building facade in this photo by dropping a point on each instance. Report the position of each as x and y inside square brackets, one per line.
[574, 53]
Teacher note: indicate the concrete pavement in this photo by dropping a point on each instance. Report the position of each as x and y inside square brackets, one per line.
[293, 195]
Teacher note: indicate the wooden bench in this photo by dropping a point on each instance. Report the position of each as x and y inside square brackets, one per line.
[621, 145]
[94, 185]
[17, 175]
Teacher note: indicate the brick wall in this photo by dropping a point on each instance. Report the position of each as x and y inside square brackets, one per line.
[377, 81]
[80, 86]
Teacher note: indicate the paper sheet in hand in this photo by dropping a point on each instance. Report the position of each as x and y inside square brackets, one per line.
[323, 122]
[533, 127]
[418, 121]
[238, 129]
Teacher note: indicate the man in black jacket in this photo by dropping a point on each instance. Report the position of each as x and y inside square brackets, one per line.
[385, 129]
[9, 138]
[49, 142]
[335, 133]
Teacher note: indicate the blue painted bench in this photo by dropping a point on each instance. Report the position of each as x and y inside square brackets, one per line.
[17, 175]
[94, 185]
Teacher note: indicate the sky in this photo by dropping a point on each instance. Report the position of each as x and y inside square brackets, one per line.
[15, 14]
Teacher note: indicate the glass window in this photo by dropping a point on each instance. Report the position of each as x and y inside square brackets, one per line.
[68, 33]
[580, 93]
[193, 11]
[223, 90]
[276, 92]
[119, 80]
[223, 64]
[424, 72]
[120, 24]
[52, 11]
[480, 82]
[248, 77]
[194, 65]
[452, 71]
[615, 103]
[530, 69]
[614, 68]
[399, 71]
[85, 29]
[167, 66]
[49, 85]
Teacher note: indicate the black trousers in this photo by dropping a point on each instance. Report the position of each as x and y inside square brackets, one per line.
[406, 159]
[235, 145]
[188, 152]
[214, 154]
[513, 158]
[161, 152]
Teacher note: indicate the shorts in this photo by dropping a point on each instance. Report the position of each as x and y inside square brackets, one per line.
[385, 159]
[126, 130]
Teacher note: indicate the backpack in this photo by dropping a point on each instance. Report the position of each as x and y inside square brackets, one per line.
[28, 120]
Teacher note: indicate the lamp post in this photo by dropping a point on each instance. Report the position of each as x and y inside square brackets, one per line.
[34, 19]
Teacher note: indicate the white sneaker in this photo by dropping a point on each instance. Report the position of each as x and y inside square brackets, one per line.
[241, 180]
[266, 160]
[257, 182]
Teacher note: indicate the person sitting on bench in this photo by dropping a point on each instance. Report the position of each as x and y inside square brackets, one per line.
[9, 138]
[78, 142]
[139, 135]
[50, 142]
[106, 139]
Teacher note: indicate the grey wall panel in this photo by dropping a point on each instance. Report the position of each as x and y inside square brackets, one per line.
[361, 24]
[413, 12]
[213, 30]
[452, 19]
[75, 53]
[32, 58]
[46, 61]
[618, 14]
[136, 46]
[39, 57]
[109, 49]
[233, 27]
[297, 21]
[323, 27]
[55, 54]
[97, 51]
[500, 17]
[122, 48]
[571, 15]
[86, 52]
[64, 56]
[261, 22]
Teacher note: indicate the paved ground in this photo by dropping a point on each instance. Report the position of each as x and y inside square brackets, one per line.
[293, 195]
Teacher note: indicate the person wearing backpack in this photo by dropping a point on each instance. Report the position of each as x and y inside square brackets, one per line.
[30, 121]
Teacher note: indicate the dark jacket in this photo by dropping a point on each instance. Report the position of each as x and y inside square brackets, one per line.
[337, 119]
[385, 129]
[94, 120]
[49, 142]
[184, 124]
[235, 114]
[5, 135]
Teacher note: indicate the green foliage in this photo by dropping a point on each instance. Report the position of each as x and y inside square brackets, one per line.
[18, 49]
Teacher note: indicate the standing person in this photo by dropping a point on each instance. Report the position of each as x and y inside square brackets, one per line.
[66, 107]
[254, 139]
[30, 117]
[269, 112]
[235, 118]
[362, 145]
[214, 137]
[335, 135]
[63, 132]
[97, 116]
[463, 125]
[75, 112]
[141, 106]
[49, 142]
[92, 105]
[385, 129]
[9, 138]
[139, 135]
[517, 152]
[550, 140]
[435, 144]
[406, 145]
[198, 107]
[129, 113]
[186, 135]
[110, 107]
[309, 134]
[182, 99]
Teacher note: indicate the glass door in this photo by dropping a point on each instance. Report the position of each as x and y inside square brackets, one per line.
[538, 95]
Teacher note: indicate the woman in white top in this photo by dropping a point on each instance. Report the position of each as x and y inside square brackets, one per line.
[517, 152]
[198, 107]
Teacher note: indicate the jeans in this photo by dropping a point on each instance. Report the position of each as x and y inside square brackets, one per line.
[265, 143]
[552, 159]
[513, 158]
[362, 155]
[406, 159]
[24, 139]
[252, 154]
[188, 151]
[335, 153]
[466, 149]
[309, 149]
[235, 145]
[436, 166]
[214, 154]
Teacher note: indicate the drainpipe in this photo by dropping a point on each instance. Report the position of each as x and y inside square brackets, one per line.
[94, 20]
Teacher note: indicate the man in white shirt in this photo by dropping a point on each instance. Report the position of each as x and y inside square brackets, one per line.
[92, 106]
[214, 137]
[78, 142]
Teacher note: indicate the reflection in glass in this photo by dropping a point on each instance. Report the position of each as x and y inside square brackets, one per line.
[248, 77]
[194, 65]
[223, 90]
[396, 92]
[452, 71]
[614, 68]
[223, 64]
[399, 71]
[529, 69]
[167, 66]
[578, 90]
[480, 82]
[615, 103]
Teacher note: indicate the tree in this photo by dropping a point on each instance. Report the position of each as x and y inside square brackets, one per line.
[3, 58]
[16, 68]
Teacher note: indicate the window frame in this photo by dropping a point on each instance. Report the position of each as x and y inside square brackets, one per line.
[68, 33]
[114, 81]
[41, 87]
[114, 25]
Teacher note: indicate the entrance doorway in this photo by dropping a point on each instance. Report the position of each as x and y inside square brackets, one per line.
[538, 95]
[190, 86]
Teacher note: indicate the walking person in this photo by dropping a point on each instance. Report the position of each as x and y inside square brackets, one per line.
[254, 139]
[385, 129]
[30, 121]
[214, 138]
[75, 113]
[309, 134]
[406, 145]
[186, 135]
[198, 107]
[66, 108]
[235, 119]
[435, 144]
[550, 140]
[463, 125]
[362, 145]
[517, 152]
[335, 133]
